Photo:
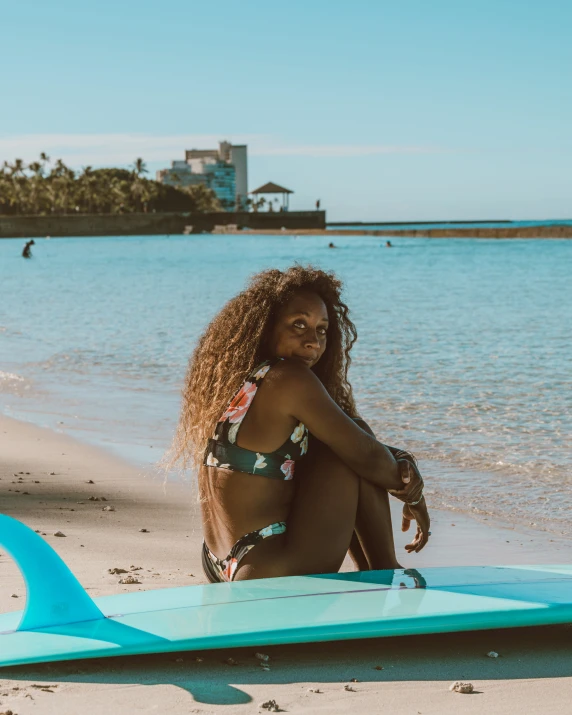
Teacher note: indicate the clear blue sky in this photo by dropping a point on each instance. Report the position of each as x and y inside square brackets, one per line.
[417, 110]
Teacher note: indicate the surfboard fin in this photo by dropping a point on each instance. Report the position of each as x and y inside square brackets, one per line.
[54, 595]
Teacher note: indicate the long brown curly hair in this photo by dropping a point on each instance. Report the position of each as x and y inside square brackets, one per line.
[235, 342]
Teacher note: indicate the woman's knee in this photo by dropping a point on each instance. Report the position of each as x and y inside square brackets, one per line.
[320, 524]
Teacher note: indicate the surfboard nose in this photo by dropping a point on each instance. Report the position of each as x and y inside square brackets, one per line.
[54, 595]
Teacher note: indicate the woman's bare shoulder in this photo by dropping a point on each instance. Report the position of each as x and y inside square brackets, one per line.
[289, 374]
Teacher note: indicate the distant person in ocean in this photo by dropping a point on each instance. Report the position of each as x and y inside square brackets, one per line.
[388, 244]
[331, 245]
[266, 401]
[318, 205]
[27, 251]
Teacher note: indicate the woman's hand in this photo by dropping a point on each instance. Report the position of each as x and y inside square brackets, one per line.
[421, 515]
[412, 480]
[415, 507]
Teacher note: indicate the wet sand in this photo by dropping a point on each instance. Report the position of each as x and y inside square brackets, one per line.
[533, 673]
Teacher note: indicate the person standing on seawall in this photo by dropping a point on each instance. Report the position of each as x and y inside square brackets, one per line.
[266, 399]
[27, 250]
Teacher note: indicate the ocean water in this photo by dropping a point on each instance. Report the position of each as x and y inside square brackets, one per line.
[464, 353]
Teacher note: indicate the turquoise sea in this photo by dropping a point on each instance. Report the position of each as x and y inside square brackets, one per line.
[463, 354]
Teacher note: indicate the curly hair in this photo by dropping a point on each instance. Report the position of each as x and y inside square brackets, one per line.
[235, 342]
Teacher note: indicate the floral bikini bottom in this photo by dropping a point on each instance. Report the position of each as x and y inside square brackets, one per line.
[221, 570]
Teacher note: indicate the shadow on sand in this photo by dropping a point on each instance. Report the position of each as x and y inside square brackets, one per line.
[538, 652]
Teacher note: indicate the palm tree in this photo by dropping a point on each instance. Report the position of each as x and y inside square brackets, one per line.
[18, 167]
[7, 193]
[137, 186]
[35, 182]
[62, 186]
[17, 177]
[139, 167]
[259, 203]
[87, 188]
[60, 168]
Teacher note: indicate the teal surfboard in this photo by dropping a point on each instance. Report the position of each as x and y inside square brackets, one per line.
[62, 622]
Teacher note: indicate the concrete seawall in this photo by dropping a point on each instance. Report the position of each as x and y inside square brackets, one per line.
[153, 223]
[299, 222]
[546, 231]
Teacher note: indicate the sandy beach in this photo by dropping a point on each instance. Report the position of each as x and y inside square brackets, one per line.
[46, 481]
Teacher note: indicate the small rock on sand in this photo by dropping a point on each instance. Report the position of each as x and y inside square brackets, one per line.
[108, 508]
[14, 595]
[43, 687]
[144, 531]
[492, 654]
[459, 687]
[116, 570]
[231, 661]
[262, 656]
[315, 690]
[349, 689]
[129, 580]
[90, 481]
[270, 705]
[59, 533]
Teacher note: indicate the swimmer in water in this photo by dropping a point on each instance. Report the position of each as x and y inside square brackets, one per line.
[27, 252]
[331, 245]
[388, 244]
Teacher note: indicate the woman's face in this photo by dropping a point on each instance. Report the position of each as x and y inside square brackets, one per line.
[300, 329]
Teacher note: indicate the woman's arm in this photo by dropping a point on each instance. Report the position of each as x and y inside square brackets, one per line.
[300, 394]
[412, 491]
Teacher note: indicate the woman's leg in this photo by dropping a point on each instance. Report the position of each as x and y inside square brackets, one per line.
[357, 554]
[322, 521]
[373, 539]
[373, 529]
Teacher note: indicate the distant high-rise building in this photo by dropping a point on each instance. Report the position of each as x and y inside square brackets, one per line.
[224, 170]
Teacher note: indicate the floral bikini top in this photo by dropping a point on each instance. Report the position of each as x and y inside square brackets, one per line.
[223, 452]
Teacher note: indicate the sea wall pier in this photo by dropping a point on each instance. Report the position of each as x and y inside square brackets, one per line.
[140, 224]
[298, 222]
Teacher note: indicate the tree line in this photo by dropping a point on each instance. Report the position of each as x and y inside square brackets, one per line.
[45, 188]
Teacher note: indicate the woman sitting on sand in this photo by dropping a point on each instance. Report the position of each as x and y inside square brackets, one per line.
[285, 464]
